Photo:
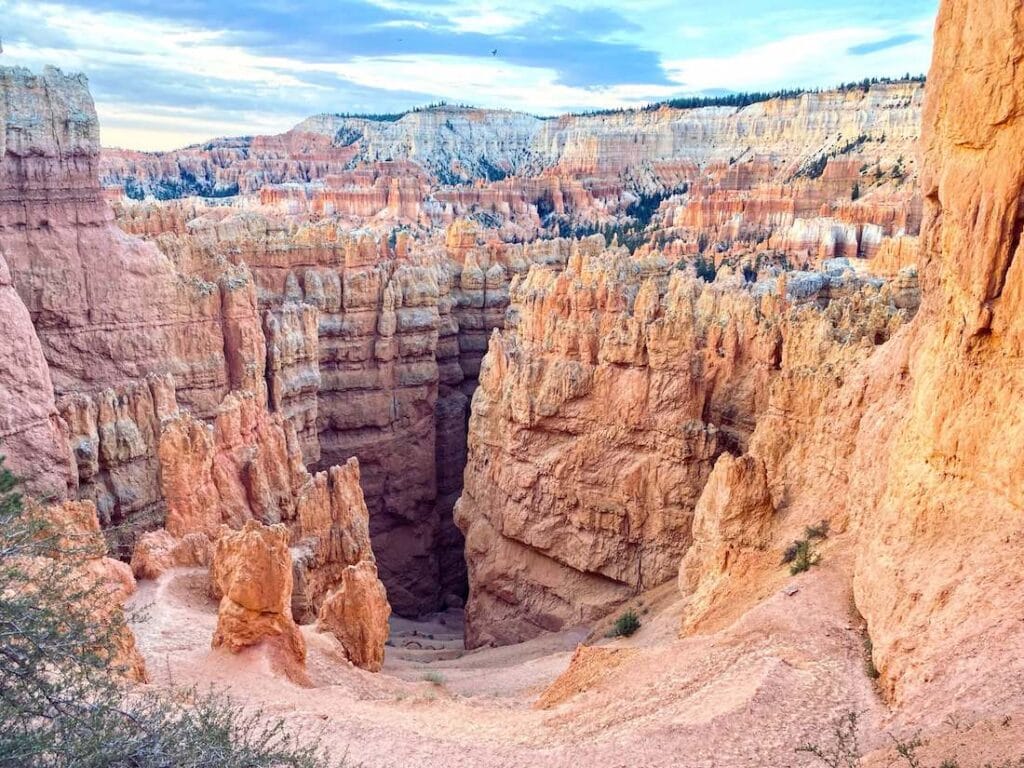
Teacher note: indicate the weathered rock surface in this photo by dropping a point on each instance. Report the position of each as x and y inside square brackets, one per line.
[733, 515]
[602, 409]
[252, 571]
[32, 437]
[931, 574]
[356, 612]
[374, 343]
[247, 467]
[106, 307]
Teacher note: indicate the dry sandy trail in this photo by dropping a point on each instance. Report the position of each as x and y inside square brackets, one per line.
[745, 696]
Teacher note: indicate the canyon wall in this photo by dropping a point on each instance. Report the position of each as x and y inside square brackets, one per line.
[369, 343]
[931, 574]
[830, 401]
[381, 253]
[158, 393]
[604, 406]
[913, 454]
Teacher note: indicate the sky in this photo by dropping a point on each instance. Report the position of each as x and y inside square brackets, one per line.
[167, 73]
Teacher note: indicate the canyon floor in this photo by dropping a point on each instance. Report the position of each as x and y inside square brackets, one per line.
[747, 695]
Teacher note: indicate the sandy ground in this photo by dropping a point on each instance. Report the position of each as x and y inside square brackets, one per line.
[745, 696]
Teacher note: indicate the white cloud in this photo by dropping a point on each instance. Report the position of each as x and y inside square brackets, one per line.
[188, 57]
[489, 82]
[808, 60]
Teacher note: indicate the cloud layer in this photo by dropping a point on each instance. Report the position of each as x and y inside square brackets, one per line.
[167, 74]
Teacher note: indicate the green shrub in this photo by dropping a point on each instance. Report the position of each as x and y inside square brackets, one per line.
[63, 703]
[819, 531]
[800, 556]
[435, 678]
[705, 269]
[844, 751]
[869, 658]
[625, 625]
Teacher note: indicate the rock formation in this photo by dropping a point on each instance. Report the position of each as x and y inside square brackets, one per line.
[79, 536]
[881, 428]
[931, 574]
[31, 433]
[356, 612]
[252, 571]
[602, 410]
[141, 386]
[734, 513]
[374, 341]
[897, 449]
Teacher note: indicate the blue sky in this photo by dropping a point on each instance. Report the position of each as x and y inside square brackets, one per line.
[165, 73]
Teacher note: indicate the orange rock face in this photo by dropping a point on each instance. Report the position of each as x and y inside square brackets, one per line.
[931, 574]
[374, 343]
[733, 515]
[32, 437]
[356, 612]
[252, 571]
[602, 411]
[247, 468]
[79, 530]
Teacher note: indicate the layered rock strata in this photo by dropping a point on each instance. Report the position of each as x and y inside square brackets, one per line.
[32, 436]
[167, 414]
[602, 409]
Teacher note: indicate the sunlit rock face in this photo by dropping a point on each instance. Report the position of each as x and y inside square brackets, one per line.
[950, 518]
[605, 404]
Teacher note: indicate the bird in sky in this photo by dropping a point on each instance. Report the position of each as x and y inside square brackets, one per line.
[494, 52]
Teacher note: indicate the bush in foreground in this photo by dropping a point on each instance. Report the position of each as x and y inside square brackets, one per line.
[63, 702]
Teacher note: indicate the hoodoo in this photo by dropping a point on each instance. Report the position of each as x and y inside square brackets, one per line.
[687, 433]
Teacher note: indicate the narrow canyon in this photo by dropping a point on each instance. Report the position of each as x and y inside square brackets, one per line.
[390, 420]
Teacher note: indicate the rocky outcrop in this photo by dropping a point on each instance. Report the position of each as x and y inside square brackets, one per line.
[107, 308]
[246, 471]
[114, 436]
[896, 450]
[356, 612]
[602, 410]
[734, 514]
[252, 572]
[32, 436]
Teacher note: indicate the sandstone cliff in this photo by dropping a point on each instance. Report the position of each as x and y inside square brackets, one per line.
[31, 433]
[931, 572]
[882, 428]
[603, 408]
[106, 307]
[159, 392]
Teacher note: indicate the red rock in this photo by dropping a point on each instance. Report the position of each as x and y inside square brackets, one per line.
[252, 571]
[356, 612]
